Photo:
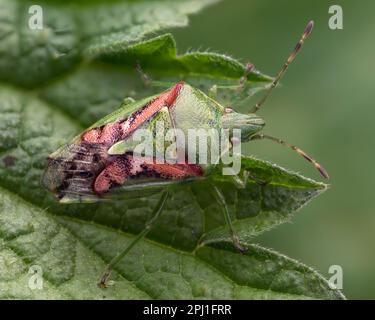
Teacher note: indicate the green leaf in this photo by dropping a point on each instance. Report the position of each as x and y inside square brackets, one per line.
[56, 82]
[72, 253]
[159, 54]
[257, 208]
[74, 30]
[100, 87]
[64, 239]
[29, 237]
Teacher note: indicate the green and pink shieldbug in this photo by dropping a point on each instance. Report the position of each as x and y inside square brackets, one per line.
[99, 164]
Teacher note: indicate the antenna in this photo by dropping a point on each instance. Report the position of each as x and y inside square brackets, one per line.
[290, 59]
[319, 167]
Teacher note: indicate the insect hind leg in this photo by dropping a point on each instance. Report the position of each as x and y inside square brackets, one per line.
[228, 220]
[103, 283]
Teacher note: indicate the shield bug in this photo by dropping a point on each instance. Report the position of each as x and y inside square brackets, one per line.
[101, 163]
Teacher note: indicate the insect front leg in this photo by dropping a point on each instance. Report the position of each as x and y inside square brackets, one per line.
[228, 220]
[155, 215]
[149, 82]
[212, 92]
[236, 91]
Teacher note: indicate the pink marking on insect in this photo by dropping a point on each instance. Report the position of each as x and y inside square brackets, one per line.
[108, 134]
[177, 171]
[122, 168]
[112, 132]
[166, 99]
[93, 135]
[114, 173]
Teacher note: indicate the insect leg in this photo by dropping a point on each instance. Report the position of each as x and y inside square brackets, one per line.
[155, 215]
[241, 182]
[148, 81]
[235, 89]
[127, 100]
[212, 92]
[221, 199]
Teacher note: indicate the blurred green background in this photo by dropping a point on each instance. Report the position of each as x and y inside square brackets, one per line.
[326, 106]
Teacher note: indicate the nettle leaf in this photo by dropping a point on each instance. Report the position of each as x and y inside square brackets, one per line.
[56, 82]
[35, 230]
[100, 87]
[72, 254]
[75, 30]
[257, 208]
[30, 57]
[159, 54]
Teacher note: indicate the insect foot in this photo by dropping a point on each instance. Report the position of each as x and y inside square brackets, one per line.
[237, 244]
[104, 280]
